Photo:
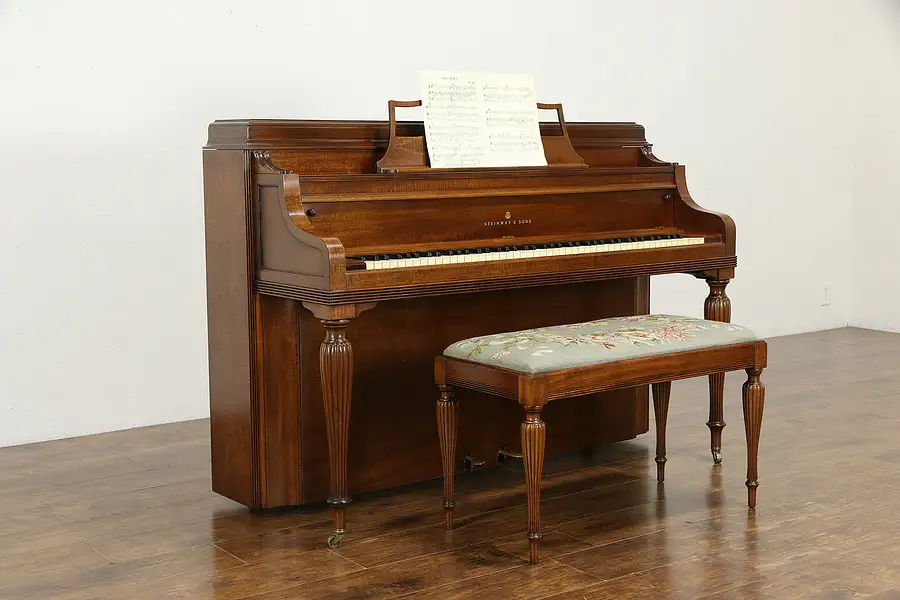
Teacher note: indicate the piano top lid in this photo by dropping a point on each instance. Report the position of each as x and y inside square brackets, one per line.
[338, 134]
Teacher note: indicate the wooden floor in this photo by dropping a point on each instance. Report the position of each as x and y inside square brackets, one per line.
[131, 514]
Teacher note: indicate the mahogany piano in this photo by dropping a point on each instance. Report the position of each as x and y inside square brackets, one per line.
[339, 265]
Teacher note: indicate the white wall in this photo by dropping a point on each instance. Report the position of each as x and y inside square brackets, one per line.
[876, 194]
[105, 105]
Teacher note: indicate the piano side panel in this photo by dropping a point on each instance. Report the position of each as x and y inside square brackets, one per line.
[230, 314]
[393, 437]
[279, 405]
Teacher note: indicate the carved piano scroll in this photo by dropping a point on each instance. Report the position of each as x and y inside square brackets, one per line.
[263, 163]
[717, 307]
[410, 153]
[336, 376]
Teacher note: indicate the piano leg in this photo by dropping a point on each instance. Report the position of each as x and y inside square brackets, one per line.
[336, 373]
[717, 308]
[336, 368]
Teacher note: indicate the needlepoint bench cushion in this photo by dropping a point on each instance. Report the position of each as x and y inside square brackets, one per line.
[605, 340]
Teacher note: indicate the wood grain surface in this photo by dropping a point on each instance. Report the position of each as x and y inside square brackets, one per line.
[131, 514]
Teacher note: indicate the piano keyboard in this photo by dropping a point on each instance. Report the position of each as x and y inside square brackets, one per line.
[485, 254]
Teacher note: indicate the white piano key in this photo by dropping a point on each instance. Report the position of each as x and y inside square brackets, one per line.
[520, 253]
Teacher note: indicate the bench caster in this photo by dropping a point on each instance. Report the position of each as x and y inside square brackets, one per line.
[334, 541]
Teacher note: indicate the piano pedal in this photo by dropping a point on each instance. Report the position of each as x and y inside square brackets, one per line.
[471, 463]
[503, 455]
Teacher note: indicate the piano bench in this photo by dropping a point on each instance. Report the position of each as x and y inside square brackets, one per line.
[536, 366]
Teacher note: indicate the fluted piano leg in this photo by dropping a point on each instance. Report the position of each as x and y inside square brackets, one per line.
[717, 308]
[661, 392]
[447, 417]
[754, 397]
[534, 435]
[336, 367]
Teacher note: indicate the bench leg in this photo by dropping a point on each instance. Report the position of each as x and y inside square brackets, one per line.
[534, 434]
[717, 308]
[448, 419]
[661, 393]
[754, 397]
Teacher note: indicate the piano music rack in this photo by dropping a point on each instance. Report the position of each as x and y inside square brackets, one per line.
[410, 152]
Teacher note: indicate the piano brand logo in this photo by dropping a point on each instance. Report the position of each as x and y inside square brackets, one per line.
[509, 221]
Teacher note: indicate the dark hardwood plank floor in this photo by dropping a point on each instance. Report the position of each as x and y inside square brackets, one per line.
[131, 515]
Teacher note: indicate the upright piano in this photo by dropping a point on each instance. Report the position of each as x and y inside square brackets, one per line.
[334, 280]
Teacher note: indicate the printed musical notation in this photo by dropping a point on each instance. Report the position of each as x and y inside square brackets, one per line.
[481, 120]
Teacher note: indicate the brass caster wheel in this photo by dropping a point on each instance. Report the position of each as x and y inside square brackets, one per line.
[717, 456]
[334, 541]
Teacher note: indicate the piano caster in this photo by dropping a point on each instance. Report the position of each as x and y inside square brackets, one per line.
[334, 541]
[717, 456]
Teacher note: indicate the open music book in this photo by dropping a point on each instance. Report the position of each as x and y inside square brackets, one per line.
[481, 120]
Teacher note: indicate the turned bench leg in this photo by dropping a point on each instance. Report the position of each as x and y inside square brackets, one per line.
[754, 398]
[661, 392]
[534, 435]
[448, 418]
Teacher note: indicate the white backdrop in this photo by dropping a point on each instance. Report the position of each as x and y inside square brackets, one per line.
[104, 108]
[875, 281]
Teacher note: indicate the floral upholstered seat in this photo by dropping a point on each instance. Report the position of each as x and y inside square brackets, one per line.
[605, 340]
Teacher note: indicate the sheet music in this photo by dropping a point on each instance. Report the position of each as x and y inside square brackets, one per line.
[454, 119]
[481, 120]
